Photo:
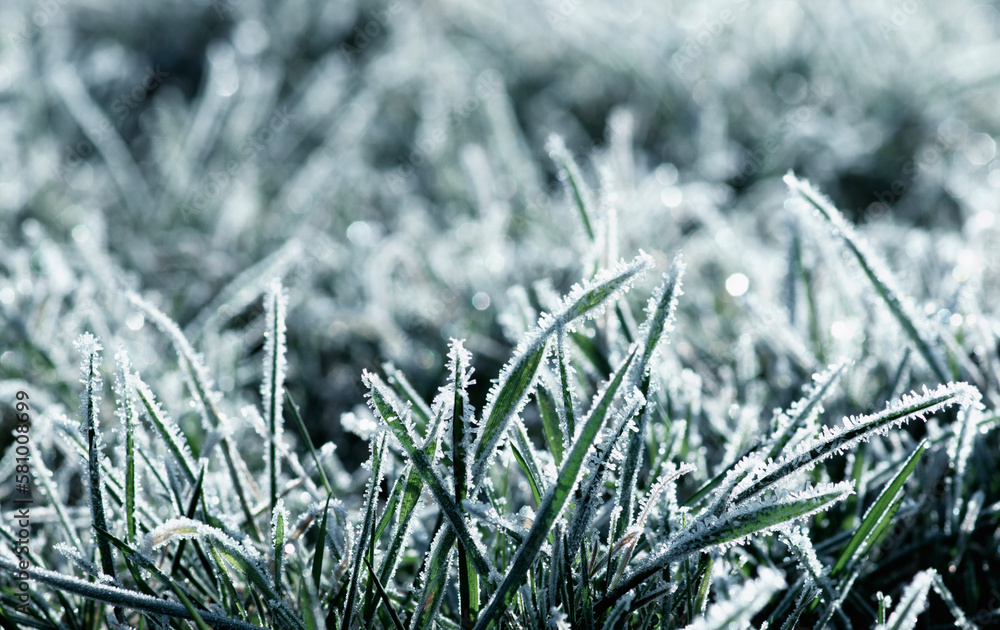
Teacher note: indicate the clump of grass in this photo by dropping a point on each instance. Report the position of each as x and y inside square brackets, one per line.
[574, 495]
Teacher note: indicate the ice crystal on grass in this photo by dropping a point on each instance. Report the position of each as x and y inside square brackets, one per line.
[742, 604]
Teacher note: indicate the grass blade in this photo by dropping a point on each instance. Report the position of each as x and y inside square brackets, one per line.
[308, 441]
[380, 401]
[89, 348]
[509, 394]
[127, 412]
[875, 272]
[371, 501]
[317, 566]
[861, 540]
[660, 310]
[206, 398]
[550, 423]
[124, 598]
[553, 502]
[858, 429]
[275, 304]
[732, 528]
[384, 597]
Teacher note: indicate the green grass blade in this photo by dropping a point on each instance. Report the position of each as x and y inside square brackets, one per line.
[550, 423]
[408, 507]
[509, 394]
[309, 443]
[660, 313]
[535, 493]
[382, 407]
[384, 597]
[407, 393]
[124, 598]
[279, 519]
[317, 565]
[553, 502]
[371, 502]
[168, 430]
[874, 271]
[127, 413]
[89, 348]
[434, 578]
[733, 527]
[858, 429]
[860, 541]
[275, 304]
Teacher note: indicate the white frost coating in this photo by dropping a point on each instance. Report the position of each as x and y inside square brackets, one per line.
[166, 427]
[698, 536]
[805, 193]
[618, 280]
[273, 383]
[857, 429]
[744, 602]
[911, 603]
[661, 309]
[374, 383]
[801, 545]
[199, 381]
[90, 348]
[74, 555]
[185, 528]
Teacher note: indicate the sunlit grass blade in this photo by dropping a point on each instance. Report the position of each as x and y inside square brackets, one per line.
[279, 518]
[550, 423]
[861, 540]
[375, 464]
[382, 407]
[876, 272]
[125, 598]
[517, 378]
[732, 528]
[275, 304]
[553, 502]
[206, 398]
[911, 603]
[660, 313]
[858, 429]
[527, 459]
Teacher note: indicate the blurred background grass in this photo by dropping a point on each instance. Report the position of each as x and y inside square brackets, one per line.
[390, 158]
